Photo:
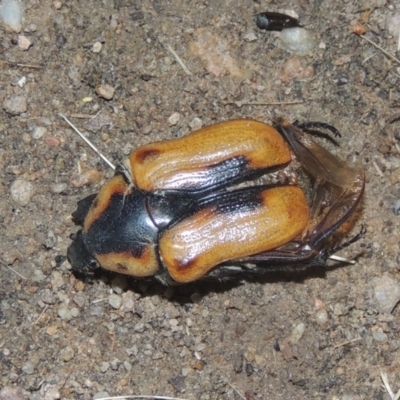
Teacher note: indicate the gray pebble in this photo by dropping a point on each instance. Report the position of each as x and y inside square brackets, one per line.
[74, 312]
[12, 393]
[39, 132]
[58, 188]
[380, 336]
[128, 366]
[64, 313]
[80, 299]
[115, 301]
[28, 368]
[104, 366]
[387, 293]
[38, 275]
[22, 191]
[396, 207]
[15, 105]
[67, 354]
[195, 124]
[321, 317]
[46, 295]
[100, 395]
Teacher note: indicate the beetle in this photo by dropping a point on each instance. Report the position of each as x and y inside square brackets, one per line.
[191, 208]
[274, 21]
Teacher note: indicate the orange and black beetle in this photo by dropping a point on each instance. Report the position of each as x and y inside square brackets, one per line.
[189, 208]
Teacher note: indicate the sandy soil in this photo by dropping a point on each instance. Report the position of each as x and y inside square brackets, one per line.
[64, 336]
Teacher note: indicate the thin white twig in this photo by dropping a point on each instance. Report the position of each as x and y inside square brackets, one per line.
[88, 142]
[179, 60]
[237, 391]
[13, 270]
[40, 316]
[380, 48]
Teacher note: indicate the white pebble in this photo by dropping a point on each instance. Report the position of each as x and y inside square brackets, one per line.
[174, 119]
[96, 48]
[321, 317]
[21, 192]
[105, 91]
[115, 301]
[11, 14]
[297, 333]
[64, 313]
[250, 37]
[39, 132]
[28, 368]
[387, 293]
[297, 40]
[195, 124]
[21, 82]
[24, 43]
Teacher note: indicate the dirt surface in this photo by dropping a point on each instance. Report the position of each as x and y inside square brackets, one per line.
[64, 336]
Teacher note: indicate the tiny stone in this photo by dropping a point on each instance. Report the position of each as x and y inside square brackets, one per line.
[47, 296]
[174, 119]
[21, 192]
[115, 301]
[58, 188]
[119, 284]
[321, 317]
[100, 395]
[74, 312]
[64, 313]
[380, 336]
[195, 124]
[28, 368]
[173, 322]
[80, 299]
[24, 43]
[57, 4]
[96, 48]
[128, 366]
[238, 362]
[67, 354]
[104, 366]
[297, 333]
[387, 293]
[39, 132]
[396, 207]
[250, 37]
[31, 28]
[12, 393]
[15, 105]
[105, 91]
[147, 129]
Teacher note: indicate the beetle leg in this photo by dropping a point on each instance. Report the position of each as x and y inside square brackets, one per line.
[347, 243]
[313, 125]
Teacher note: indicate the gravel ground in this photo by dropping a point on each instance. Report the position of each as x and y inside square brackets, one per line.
[315, 334]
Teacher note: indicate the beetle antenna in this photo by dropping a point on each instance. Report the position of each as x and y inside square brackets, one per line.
[88, 142]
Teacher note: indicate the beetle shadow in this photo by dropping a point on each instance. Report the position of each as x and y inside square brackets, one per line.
[183, 294]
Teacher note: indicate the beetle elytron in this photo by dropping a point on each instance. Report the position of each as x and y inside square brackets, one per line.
[189, 208]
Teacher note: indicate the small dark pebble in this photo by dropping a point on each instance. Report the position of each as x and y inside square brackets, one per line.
[396, 207]
[276, 346]
[178, 383]
[273, 21]
[238, 362]
[137, 16]
[249, 369]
